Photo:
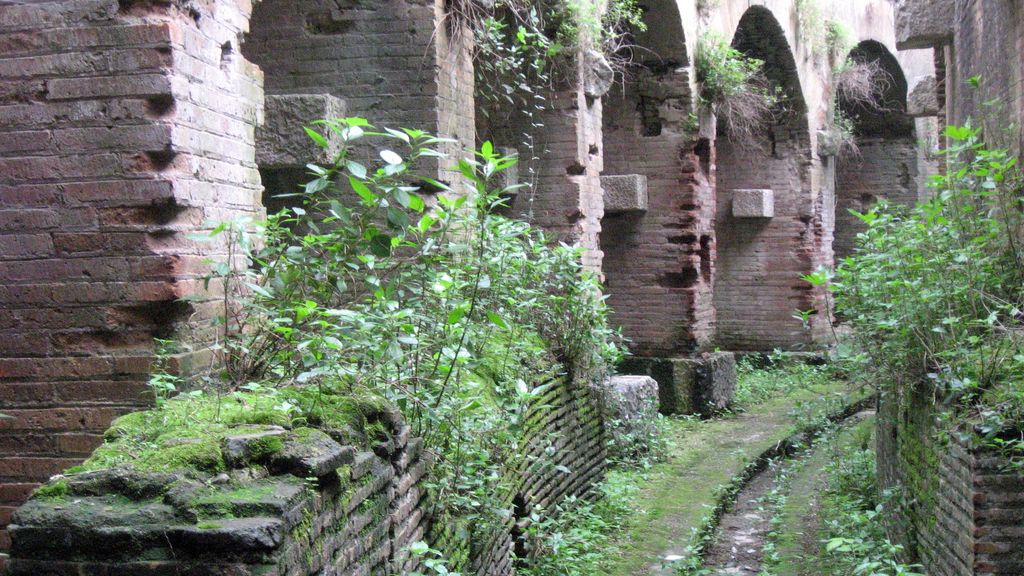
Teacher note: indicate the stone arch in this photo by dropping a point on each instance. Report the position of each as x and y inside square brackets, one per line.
[885, 162]
[768, 229]
[656, 233]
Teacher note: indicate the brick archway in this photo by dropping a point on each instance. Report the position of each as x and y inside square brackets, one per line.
[762, 253]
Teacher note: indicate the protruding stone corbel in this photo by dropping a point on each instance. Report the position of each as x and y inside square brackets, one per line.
[625, 193]
[281, 142]
[753, 203]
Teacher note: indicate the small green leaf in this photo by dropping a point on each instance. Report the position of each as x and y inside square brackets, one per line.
[317, 137]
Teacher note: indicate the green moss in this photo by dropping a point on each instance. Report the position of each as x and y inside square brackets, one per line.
[203, 454]
[262, 448]
[152, 440]
[57, 490]
[208, 526]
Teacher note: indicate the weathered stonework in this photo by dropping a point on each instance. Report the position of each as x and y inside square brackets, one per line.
[280, 140]
[924, 23]
[127, 126]
[359, 516]
[700, 385]
[753, 203]
[622, 194]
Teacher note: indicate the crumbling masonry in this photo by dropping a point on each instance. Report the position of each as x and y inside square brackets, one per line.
[126, 126]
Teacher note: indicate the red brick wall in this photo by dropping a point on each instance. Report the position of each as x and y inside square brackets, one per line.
[760, 260]
[124, 126]
[565, 199]
[659, 263]
[390, 61]
[884, 168]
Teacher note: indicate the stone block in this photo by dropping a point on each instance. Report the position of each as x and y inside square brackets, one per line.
[624, 193]
[703, 384]
[828, 143]
[923, 99]
[924, 23]
[281, 141]
[632, 400]
[753, 203]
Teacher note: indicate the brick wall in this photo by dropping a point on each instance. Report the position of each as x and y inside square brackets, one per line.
[965, 507]
[359, 516]
[565, 198]
[392, 62]
[988, 41]
[760, 260]
[882, 169]
[659, 263]
[125, 126]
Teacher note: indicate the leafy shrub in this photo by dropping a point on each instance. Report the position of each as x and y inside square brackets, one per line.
[852, 514]
[734, 86]
[456, 315]
[576, 539]
[934, 292]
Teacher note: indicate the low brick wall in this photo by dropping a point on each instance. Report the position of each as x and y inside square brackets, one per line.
[320, 504]
[324, 508]
[965, 508]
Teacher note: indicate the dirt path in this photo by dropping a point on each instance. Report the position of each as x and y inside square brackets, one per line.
[707, 457]
[739, 543]
[738, 547]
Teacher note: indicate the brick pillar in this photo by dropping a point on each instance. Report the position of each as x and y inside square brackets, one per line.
[124, 127]
[393, 62]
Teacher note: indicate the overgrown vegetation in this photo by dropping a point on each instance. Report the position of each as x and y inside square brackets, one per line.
[852, 515]
[527, 49]
[859, 85]
[761, 378]
[381, 289]
[577, 538]
[734, 87]
[935, 293]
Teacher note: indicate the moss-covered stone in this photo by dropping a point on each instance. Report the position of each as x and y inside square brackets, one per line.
[202, 454]
[56, 490]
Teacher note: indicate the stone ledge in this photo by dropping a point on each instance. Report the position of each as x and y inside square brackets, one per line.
[753, 203]
[281, 141]
[624, 193]
[924, 23]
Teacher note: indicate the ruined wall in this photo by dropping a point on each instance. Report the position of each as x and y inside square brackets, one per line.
[563, 454]
[658, 261]
[339, 501]
[393, 62]
[882, 168]
[124, 126]
[988, 42]
[564, 170]
[762, 254]
[964, 507]
[358, 516]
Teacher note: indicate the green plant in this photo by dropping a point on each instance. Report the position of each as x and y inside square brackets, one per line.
[458, 316]
[575, 538]
[851, 516]
[838, 39]
[934, 292]
[733, 86]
